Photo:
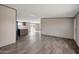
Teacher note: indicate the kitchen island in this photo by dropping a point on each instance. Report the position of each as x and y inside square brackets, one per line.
[22, 31]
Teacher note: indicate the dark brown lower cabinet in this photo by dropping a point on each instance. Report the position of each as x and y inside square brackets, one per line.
[23, 32]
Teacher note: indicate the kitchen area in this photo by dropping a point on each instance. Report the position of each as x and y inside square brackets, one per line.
[25, 28]
[22, 29]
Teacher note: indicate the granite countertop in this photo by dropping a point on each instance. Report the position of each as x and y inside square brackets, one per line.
[22, 27]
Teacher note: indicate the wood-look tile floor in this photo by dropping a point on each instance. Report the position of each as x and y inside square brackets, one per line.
[41, 44]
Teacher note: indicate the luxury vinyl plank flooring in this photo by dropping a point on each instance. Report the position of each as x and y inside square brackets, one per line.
[41, 44]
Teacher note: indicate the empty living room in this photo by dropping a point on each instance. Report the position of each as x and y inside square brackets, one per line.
[39, 28]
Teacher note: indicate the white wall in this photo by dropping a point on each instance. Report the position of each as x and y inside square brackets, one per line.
[7, 26]
[61, 27]
[38, 27]
[77, 32]
[75, 29]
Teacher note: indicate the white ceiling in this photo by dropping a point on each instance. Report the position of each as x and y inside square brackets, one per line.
[35, 11]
